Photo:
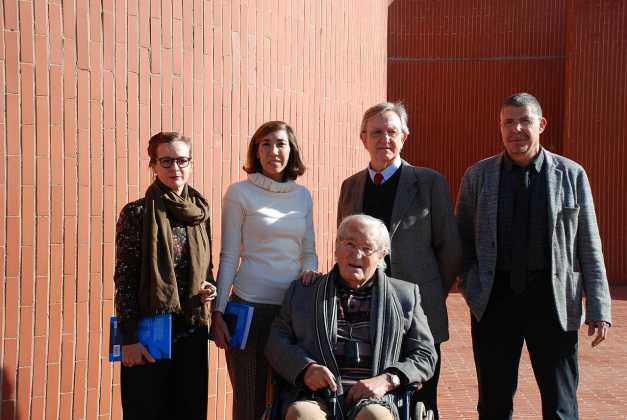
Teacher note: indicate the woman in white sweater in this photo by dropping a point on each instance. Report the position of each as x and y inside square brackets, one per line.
[267, 242]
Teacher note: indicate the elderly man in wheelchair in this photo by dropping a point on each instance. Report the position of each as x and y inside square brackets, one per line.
[343, 345]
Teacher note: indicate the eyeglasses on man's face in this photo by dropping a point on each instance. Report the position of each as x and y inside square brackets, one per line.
[167, 162]
[352, 246]
[378, 133]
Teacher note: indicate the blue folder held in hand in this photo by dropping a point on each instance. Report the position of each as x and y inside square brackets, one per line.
[238, 317]
[154, 332]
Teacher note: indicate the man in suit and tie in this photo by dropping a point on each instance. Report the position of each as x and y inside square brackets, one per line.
[414, 204]
[531, 250]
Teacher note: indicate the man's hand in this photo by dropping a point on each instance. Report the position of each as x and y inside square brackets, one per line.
[369, 388]
[318, 377]
[307, 277]
[135, 354]
[601, 328]
[219, 330]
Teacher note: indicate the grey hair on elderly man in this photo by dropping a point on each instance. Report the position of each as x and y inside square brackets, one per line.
[378, 232]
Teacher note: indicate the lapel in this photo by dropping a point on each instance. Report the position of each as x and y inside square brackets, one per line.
[406, 192]
[554, 189]
[356, 203]
[325, 318]
[490, 193]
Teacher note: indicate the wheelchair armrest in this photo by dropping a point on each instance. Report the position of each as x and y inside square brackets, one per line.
[407, 389]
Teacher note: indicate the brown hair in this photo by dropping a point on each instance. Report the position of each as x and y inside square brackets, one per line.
[295, 166]
[165, 137]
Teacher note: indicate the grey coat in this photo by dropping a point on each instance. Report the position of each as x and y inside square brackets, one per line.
[577, 266]
[426, 248]
[306, 327]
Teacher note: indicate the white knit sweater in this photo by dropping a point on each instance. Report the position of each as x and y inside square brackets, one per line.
[267, 230]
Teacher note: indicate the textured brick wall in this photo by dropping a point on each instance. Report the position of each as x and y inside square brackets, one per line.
[83, 86]
[452, 62]
[595, 130]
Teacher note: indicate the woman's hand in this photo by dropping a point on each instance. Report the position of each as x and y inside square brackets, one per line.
[219, 330]
[135, 354]
[307, 277]
[207, 293]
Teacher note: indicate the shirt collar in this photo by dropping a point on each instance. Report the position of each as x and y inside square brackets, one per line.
[536, 163]
[387, 172]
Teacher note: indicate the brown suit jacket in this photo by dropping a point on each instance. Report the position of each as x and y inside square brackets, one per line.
[426, 247]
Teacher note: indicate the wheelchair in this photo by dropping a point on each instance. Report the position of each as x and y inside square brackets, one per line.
[403, 403]
[405, 411]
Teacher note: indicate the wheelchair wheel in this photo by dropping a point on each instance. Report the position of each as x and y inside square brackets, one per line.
[420, 412]
[429, 415]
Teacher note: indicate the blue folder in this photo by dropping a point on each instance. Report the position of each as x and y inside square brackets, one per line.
[154, 332]
[238, 317]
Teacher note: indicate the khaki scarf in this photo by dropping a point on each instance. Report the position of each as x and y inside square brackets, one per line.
[157, 289]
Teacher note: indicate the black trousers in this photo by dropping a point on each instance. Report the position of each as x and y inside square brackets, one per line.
[497, 344]
[428, 394]
[169, 389]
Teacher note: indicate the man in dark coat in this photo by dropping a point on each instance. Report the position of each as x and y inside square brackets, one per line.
[355, 331]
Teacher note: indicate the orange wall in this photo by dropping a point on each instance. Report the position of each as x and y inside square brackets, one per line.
[83, 86]
[453, 62]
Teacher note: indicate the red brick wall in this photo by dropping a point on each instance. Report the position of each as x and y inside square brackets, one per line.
[83, 85]
[595, 129]
[452, 63]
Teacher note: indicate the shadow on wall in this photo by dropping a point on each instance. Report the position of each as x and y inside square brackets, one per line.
[7, 410]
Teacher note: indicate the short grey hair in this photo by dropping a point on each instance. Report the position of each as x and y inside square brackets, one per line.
[375, 227]
[521, 99]
[383, 107]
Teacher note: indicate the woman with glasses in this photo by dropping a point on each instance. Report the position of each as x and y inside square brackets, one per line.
[163, 266]
[267, 242]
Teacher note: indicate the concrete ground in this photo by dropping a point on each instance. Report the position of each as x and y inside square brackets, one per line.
[602, 370]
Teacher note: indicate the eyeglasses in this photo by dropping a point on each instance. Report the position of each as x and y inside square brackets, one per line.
[182, 162]
[351, 246]
[379, 134]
